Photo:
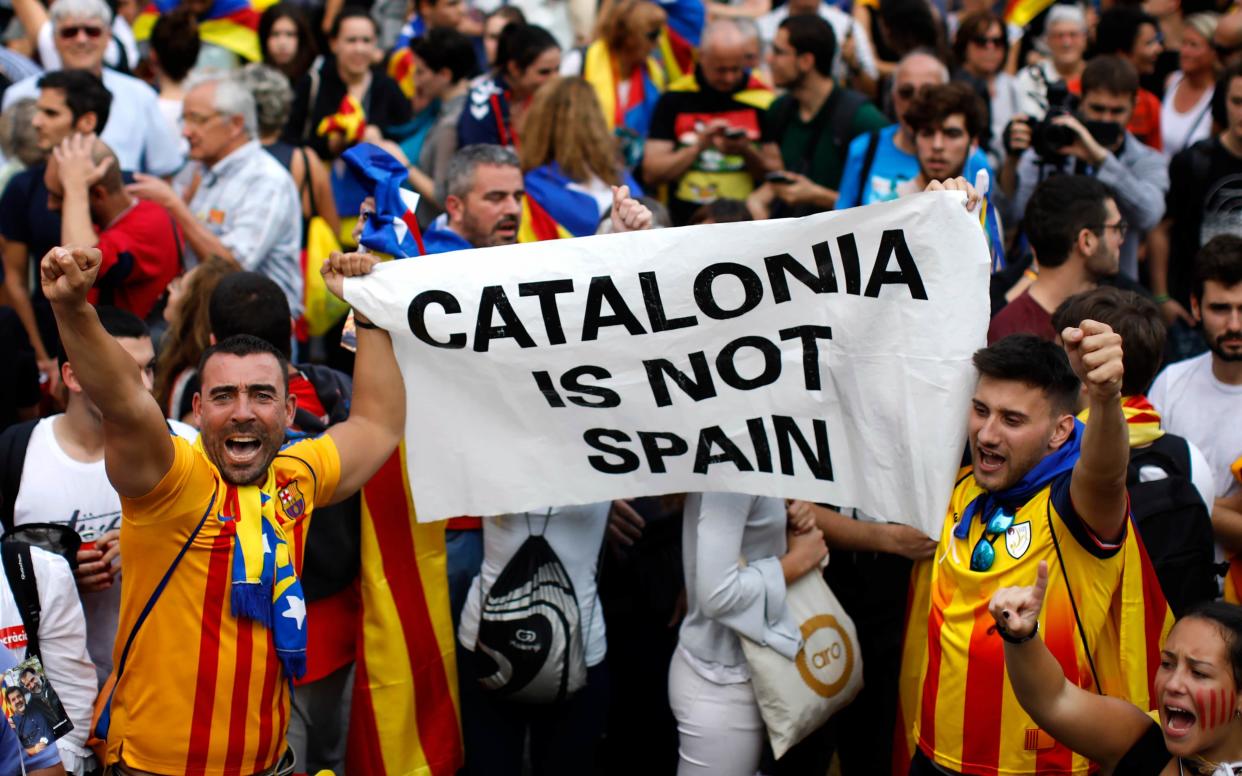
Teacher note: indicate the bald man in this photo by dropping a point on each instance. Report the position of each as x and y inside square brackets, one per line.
[707, 136]
[1228, 39]
[140, 242]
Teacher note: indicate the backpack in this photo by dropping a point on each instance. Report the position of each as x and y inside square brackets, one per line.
[13, 444]
[1174, 523]
[530, 646]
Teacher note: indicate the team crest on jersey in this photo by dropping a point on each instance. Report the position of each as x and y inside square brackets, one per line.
[1018, 539]
[291, 500]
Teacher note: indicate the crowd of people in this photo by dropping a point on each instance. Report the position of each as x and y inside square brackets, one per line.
[172, 178]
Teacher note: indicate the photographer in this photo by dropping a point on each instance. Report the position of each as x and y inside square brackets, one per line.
[1092, 142]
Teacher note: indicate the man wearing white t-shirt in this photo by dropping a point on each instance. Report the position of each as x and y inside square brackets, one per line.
[62, 480]
[1201, 398]
[136, 131]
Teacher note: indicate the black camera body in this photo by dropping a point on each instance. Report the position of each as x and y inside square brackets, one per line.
[1048, 138]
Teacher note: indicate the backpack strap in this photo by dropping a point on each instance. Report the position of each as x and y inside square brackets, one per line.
[312, 97]
[873, 145]
[13, 444]
[19, 570]
[105, 715]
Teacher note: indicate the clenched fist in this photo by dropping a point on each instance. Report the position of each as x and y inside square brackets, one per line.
[68, 273]
[1094, 351]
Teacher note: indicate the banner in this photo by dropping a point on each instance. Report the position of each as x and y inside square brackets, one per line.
[824, 358]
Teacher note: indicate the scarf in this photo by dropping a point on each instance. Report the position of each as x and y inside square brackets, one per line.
[349, 120]
[1142, 420]
[264, 587]
[1013, 497]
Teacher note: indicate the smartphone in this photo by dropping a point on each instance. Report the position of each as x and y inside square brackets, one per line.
[778, 177]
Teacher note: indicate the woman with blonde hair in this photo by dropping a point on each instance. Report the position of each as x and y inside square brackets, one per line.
[569, 161]
[622, 68]
[1186, 114]
[189, 334]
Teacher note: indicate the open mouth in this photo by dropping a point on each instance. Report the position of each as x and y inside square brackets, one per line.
[990, 461]
[243, 448]
[1178, 720]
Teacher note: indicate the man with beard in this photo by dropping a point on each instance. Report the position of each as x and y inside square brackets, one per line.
[946, 121]
[1075, 231]
[212, 625]
[482, 203]
[1201, 398]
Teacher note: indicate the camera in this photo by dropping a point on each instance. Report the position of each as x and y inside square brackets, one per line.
[1048, 138]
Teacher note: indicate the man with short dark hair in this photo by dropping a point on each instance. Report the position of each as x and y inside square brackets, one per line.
[140, 242]
[69, 102]
[947, 121]
[444, 61]
[1136, 174]
[1042, 487]
[210, 511]
[1075, 231]
[815, 120]
[708, 138]
[1201, 398]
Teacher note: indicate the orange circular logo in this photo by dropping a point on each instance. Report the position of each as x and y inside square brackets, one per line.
[827, 655]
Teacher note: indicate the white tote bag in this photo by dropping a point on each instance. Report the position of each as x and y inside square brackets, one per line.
[797, 696]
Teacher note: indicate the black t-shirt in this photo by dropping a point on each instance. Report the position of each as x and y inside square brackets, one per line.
[21, 389]
[384, 105]
[24, 216]
[1148, 756]
[1205, 183]
[713, 175]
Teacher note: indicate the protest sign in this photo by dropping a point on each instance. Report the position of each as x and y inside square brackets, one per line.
[823, 358]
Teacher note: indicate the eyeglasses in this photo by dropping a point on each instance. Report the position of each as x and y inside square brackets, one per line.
[1121, 226]
[69, 33]
[983, 40]
[195, 120]
[983, 556]
[906, 91]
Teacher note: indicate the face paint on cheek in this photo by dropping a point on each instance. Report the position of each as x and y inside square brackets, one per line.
[1205, 719]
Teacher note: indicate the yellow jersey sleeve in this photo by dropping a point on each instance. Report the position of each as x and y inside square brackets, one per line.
[319, 455]
[182, 494]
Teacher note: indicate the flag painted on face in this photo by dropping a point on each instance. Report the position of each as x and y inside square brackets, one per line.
[392, 228]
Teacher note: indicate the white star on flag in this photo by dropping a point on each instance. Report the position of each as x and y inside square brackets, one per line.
[267, 548]
[410, 200]
[296, 610]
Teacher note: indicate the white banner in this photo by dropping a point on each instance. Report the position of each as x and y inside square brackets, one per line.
[824, 358]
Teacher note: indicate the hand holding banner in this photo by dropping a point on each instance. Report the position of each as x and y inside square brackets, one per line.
[824, 358]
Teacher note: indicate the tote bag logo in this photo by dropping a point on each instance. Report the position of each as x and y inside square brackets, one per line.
[827, 656]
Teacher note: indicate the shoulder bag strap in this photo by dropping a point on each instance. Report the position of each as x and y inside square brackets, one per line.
[19, 570]
[1082, 633]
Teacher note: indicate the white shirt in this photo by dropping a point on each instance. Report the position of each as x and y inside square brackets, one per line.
[1195, 405]
[62, 647]
[843, 25]
[575, 534]
[1179, 131]
[136, 131]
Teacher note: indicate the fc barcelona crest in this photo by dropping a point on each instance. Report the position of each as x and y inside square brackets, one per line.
[291, 500]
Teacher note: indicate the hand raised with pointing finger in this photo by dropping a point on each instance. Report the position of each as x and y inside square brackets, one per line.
[68, 273]
[1016, 609]
[1095, 353]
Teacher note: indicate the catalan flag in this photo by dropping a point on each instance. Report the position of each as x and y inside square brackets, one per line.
[401, 60]
[232, 25]
[646, 85]
[349, 120]
[679, 40]
[1021, 12]
[1233, 579]
[404, 717]
[555, 207]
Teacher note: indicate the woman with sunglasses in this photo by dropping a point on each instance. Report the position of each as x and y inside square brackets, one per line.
[1198, 727]
[981, 48]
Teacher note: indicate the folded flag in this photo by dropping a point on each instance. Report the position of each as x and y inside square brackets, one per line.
[232, 25]
[401, 60]
[392, 229]
[349, 120]
[679, 40]
[556, 207]
[1021, 12]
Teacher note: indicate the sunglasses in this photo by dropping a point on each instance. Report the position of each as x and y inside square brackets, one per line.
[653, 35]
[1224, 52]
[983, 556]
[985, 41]
[69, 33]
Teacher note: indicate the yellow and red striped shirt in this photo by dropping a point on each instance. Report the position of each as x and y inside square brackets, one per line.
[203, 692]
[956, 691]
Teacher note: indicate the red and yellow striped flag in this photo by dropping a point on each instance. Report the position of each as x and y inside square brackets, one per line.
[404, 718]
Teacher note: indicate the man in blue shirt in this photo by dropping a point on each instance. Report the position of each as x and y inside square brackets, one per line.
[881, 160]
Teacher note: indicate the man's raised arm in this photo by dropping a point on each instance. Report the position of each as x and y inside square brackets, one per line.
[138, 450]
[377, 413]
[1098, 486]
